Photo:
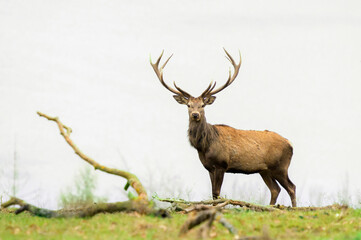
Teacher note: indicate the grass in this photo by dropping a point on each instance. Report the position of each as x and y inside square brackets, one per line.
[322, 224]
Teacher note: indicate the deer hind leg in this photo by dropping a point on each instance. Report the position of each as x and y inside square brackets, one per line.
[272, 185]
[286, 183]
[217, 180]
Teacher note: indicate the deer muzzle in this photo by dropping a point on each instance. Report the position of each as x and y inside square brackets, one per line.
[195, 116]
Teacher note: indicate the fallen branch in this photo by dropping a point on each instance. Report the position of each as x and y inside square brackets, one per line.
[186, 205]
[197, 219]
[201, 207]
[250, 206]
[206, 214]
[133, 181]
[85, 211]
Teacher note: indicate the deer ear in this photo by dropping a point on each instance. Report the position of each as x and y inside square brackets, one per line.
[209, 100]
[180, 99]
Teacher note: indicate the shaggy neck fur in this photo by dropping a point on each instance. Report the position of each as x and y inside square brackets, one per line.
[201, 134]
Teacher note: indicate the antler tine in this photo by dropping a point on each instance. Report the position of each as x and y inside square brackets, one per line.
[182, 91]
[159, 72]
[231, 77]
[165, 63]
[209, 88]
[158, 60]
[229, 57]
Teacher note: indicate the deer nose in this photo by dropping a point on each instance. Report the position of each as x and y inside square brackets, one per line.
[195, 115]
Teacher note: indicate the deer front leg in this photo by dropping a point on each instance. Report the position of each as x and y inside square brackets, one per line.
[211, 175]
[216, 179]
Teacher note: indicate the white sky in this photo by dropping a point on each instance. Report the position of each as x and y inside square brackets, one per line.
[88, 63]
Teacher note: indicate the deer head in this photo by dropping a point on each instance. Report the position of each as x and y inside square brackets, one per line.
[196, 104]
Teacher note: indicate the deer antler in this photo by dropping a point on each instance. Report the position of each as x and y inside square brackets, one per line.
[159, 71]
[209, 91]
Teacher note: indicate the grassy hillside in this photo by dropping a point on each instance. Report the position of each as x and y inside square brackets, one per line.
[322, 224]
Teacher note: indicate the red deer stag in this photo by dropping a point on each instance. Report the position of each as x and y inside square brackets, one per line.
[224, 149]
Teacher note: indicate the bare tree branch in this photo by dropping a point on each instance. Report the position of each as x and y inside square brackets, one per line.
[133, 181]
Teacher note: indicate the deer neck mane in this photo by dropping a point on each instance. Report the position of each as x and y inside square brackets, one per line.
[201, 134]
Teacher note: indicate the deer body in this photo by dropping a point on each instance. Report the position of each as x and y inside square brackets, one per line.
[240, 151]
[224, 149]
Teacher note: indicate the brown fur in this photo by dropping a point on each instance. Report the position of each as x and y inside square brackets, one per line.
[202, 135]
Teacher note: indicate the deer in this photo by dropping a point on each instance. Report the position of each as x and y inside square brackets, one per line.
[224, 149]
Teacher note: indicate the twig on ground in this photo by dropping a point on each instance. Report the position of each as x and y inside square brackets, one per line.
[199, 205]
[206, 214]
[197, 219]
[247, 205]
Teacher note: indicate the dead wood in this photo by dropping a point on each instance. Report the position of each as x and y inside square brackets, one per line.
[246, 205]
[188, 206]
[205, 215]
[137, 205]
[196, 219]
[201, 207]
[133, 181]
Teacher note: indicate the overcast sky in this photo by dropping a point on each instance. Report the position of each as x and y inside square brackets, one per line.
[88, 63]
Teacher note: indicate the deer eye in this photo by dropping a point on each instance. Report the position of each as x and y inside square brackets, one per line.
[188, 105]
[203, 105]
